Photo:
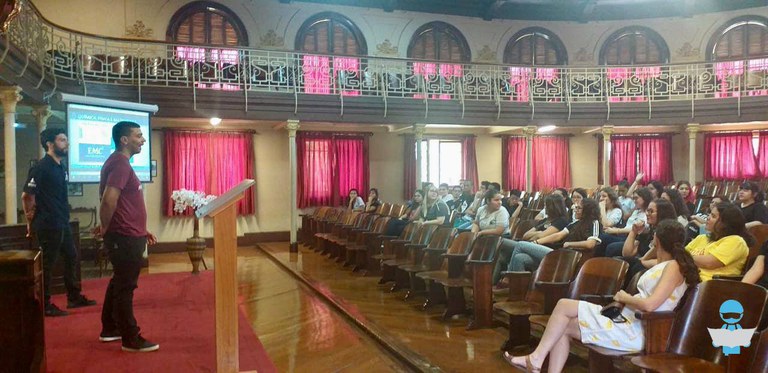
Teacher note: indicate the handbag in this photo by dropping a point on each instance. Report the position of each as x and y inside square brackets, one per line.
[613, 311]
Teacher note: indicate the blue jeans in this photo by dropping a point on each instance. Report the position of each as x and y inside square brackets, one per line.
[527, 256]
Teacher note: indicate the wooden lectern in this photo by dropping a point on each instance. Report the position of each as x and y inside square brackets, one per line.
[224, 213]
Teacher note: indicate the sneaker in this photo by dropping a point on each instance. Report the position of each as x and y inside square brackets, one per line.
[110, 336]
[53, 311]
[139, 344]
[80, 301]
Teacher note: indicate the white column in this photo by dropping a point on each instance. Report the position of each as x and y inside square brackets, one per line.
[292, 126]
[9, 96]
[41, 114]
[692, 129]
[529, 132]
[607, 132]
[418, 130]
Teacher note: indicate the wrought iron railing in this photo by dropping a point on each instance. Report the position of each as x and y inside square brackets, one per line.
[67, 54]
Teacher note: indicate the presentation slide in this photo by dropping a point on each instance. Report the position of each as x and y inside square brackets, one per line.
[90, 141]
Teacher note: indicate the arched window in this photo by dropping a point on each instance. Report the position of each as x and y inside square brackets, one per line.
[330, 34]
[634, 45]
[438, 41]
[206, 22]
[211, 24]
[741, 39]
[533, 46]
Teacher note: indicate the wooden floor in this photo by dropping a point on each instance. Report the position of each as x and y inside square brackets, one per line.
[287, 301]
[299, 331]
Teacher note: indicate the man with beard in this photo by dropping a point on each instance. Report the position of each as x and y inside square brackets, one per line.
[46, 208]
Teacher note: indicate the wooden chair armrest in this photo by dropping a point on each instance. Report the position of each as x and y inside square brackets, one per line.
[369, 233]
[431, 251]
[656, 327]
[388, 238]
[456, 264]
[597, 298]
[415, 246]
[516, 274]
[729, 278]
[519, 282]
[650, 316]
[475, 262]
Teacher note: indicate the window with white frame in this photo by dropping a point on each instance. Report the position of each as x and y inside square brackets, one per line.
[442, 161]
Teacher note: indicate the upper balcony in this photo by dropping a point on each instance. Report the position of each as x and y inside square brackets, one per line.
[196, 80]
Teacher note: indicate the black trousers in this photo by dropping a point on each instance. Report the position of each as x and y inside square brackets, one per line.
[55, 242]
[125, 254]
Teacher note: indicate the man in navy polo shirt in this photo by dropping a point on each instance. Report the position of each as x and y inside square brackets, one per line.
[46, 207]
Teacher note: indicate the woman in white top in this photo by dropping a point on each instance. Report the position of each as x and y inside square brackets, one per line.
[660, 289]
[491, 218]
[355, 201]
[673, 196]
[610, 212]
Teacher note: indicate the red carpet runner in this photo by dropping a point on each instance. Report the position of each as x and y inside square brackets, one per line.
[175, 310]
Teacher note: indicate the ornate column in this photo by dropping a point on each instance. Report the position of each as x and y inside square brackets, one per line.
[292, 126]
[418, 130]
[9, 97]
[607, 132]
[41, 114]
[692, 129]
[529, 132]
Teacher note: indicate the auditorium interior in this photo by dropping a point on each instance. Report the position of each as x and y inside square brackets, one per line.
[312, 99]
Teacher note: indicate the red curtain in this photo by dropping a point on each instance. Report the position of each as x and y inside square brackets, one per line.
[227, 159]
[551, 163]
[409, 167]
[513, 162]
[469, 160]
[329, 165]
[623, 159]
[762, 155]
[656, 158]
[729, 157]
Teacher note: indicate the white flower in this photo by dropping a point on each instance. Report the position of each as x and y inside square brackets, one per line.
[184, 199]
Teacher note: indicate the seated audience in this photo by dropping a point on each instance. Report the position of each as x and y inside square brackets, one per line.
[752, 206]
[686, 191]
[659, 289]
[757, 273]
[610, 212]
[582, 234]
[434, 210]
[355, 202]
[396, 226]
[616, 236]
[556, 221]
[373, 202]
[567, 200]
[698, 224]
[625, 200]
[491, 218]
[456, 201]
[656, 188]
[496, 186]
[443, 192]
[673, 196]
[724, 251]
[638, 248]
[577, 195]
[513, 204]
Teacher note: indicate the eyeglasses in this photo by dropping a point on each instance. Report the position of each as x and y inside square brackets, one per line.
[650, 211]
[577, 208]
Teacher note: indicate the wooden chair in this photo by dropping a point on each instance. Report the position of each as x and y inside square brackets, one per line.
[760, 232]
[350, 235]
[404, 255]
[357, 248]
[324, 228]
[598, 279]
[397, 211]
[384, 209]
[525, 298]
[444, 265]
[522, 227]
[310, 227]
[688, 341]
[374, 247]
[440, 241]
[478, 270]
[391, 248]
[335, 230]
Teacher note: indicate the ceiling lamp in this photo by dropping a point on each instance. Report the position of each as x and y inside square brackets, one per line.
[547, 129]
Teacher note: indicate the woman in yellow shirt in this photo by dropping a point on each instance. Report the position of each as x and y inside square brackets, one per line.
[725, 250]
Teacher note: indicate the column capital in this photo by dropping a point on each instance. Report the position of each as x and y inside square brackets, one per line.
[292, 125]
[41, 114]
[607, 131]
[692, 129]
[9, 96]
[529, 131]
[418, 130]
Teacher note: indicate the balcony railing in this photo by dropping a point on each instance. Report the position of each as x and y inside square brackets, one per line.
[67, 54]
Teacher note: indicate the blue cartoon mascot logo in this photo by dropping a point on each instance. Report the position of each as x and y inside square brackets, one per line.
[731, 336]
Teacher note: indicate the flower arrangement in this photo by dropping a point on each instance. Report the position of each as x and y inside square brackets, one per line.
[184, 199]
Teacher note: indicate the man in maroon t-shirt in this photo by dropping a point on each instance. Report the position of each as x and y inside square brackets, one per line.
[124, 228]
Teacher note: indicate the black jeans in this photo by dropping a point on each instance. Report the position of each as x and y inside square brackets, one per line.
[52, 243]
[125, 254]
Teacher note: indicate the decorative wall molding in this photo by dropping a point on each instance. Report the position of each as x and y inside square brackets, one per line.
[584, 55]
[139, 30]
[486, 55]
[386, 49]
[271, 40]
[687, 50]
